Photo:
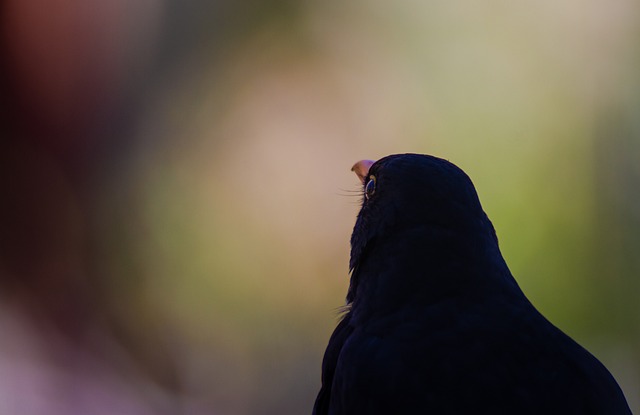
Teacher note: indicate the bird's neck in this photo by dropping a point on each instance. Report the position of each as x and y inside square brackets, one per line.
[425, 266]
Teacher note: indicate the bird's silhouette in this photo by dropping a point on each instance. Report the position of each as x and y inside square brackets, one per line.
[435, 323]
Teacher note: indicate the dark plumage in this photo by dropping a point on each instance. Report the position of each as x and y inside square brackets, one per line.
[436, 324]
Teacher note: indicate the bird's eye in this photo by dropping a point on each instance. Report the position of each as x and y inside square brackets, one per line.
[370, 188]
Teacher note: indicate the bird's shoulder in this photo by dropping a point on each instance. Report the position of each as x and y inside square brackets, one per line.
[459, 353]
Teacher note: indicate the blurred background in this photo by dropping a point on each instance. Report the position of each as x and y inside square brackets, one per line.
[176, 201]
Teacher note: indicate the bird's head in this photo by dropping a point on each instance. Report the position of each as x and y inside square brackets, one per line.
[416, 193]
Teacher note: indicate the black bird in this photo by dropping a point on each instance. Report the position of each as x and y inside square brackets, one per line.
[435, 323]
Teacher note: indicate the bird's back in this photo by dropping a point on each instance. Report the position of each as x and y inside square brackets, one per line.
[461, 357]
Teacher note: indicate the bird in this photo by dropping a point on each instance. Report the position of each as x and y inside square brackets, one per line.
[434, 321]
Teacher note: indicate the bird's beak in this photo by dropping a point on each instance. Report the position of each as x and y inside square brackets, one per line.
[361, 169]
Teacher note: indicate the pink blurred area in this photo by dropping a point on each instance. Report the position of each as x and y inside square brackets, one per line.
[66, 67]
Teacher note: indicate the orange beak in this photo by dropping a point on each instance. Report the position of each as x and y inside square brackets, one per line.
[361, 169]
